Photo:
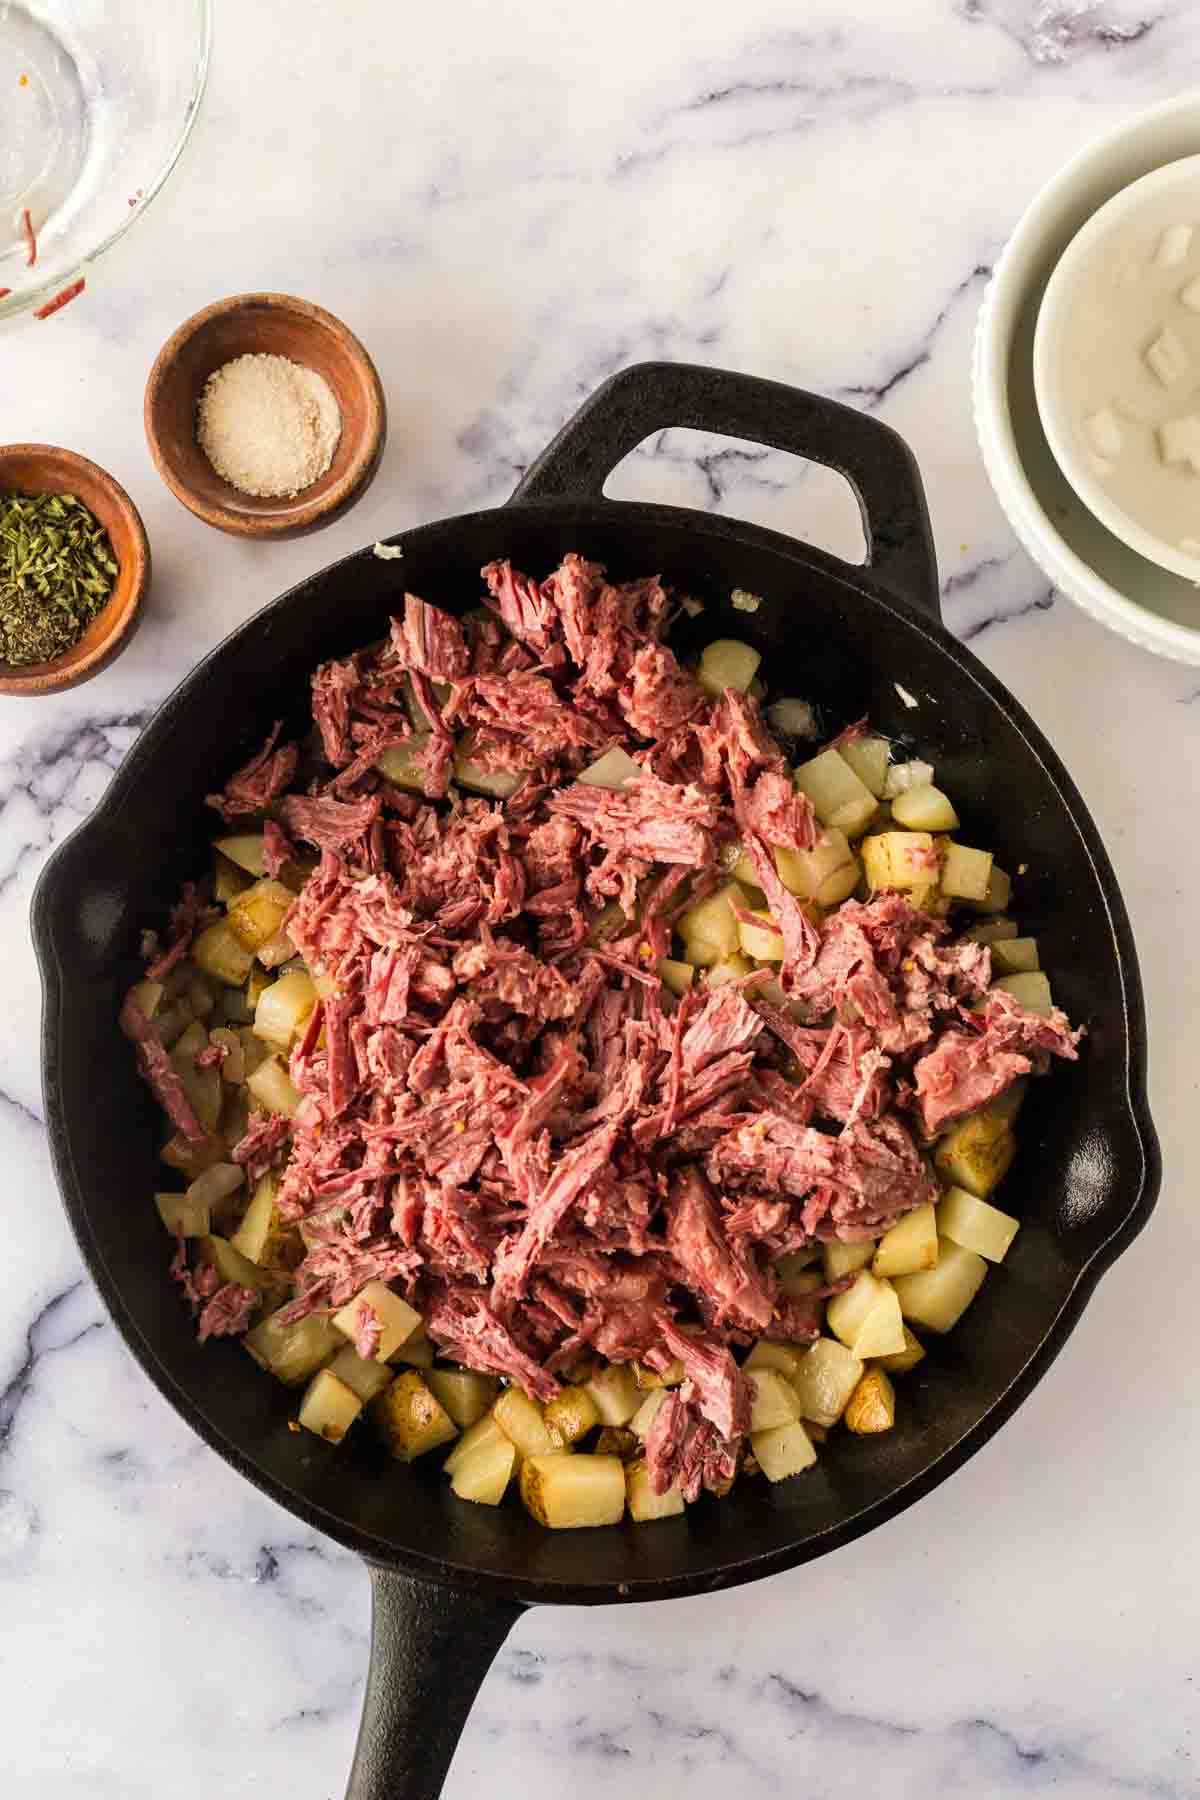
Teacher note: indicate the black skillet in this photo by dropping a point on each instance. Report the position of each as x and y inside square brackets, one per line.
[450, 1579]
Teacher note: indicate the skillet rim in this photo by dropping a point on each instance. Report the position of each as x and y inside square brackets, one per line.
[739, 1568]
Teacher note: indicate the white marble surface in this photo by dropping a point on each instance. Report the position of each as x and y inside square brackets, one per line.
[508, 200]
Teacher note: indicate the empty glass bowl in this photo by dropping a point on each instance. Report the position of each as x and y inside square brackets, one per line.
[97, 98]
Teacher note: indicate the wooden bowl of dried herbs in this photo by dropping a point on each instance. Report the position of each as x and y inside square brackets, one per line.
[74, 568]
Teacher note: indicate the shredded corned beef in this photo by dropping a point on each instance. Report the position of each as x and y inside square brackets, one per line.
[501, 1111]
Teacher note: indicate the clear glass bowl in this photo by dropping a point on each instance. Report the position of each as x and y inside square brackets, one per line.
[97, 98]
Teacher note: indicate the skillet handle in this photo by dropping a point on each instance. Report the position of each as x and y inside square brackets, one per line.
[649, 397]
[430, 1650]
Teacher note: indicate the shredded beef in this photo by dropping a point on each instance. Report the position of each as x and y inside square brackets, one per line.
[501, 1111]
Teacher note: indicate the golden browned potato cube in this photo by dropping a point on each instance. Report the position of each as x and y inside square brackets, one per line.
[615, 1393]
[677, 977]
[768, 1353]
[785, 1450]
[416, 1351]
[366, 1378]
[228, 880]
[570, 1493]
[329, 1407]
[264, 1235]
[760, 938]
[828, 873]
[182, 1215]
[521, 1419]
[976, 1225]
[231, 1265]
[484, 1474]
[397, 1319]
[839, 796]
[911, 1244]
[727, 663]
[672, 1376]
[643, 1502]
[908, 1358]
[872, 1406]
[1032, 991]
[192, 1157]
[866, 1317]
[774, 1402]
[571, 1415]
[257, 915]
[245, 848]
[292, 1352]
[827, 1376]
[999, 893]
[709, 929]
[466, 1394]
[1015, 956]
[976, 1153]
[840, 1259]
[409, 1419]
[484, 1435]
[221, 954]
[271, 1085]
[898, 859]
[869, 757]
[966, 873]
[283, 1008]
[938, 1298]
[618, 1440]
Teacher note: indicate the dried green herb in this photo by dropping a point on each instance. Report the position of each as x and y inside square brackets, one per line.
[57, 569]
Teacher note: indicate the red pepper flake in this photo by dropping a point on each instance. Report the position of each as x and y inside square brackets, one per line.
[4, 293]
[30, 236]
[68, 293]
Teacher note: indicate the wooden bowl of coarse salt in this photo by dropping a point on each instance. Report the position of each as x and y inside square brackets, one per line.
[265, 416]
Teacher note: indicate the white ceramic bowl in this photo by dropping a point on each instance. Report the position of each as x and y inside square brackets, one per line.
[1116, 355]
[1147, 604]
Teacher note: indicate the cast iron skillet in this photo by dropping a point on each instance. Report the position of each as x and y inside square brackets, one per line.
[450, 1579]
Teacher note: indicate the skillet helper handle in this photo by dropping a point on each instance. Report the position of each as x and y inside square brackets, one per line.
[650, 397]
[430, 1650]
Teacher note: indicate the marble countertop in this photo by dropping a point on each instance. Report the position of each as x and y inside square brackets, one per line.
[508, 201]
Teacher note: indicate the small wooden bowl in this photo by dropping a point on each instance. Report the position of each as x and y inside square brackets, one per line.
[45, 469]
[276, 325]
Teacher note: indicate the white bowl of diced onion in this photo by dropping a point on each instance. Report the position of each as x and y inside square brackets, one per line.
[1146, 602]
[1116, 363]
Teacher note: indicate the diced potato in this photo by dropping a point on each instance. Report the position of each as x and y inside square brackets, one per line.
[257, 982]
[147, 996]
[839, 796]
[774, 1401]
[785, 1450]
[903, 775]
[676, 976]
[991, 931]
[615, 1393]
[911, 1244]
[976, 1153]
[233, 1068]
[899, 859]
[409, 1419]
[1010, 1100]
[730, 968]
[245, 848]
[827, 1376]
[271, 1086]
[761, 938]
[727, 663]
[202, 1086]
[644, 1504]
[1032, 991]
[828, 873]
[521, 1419]
[975, 1225]
[647, 1412]
[221, 954]
[228, 880]
[608, 923]
[710, 929]
[399, 764]
[496, 784]
[869, 757]
[397, 1319]
[417, 1351]
[201, 998]
[183, 1216]
[924, 809]
[612, 770]
[486, 1435]
[283, 1010]
[257, 915]
[366, 1379]
[276, 951]
[908, 1358]
[254, 1051]
[768, 1353]
[938, 1298]
[617, 1440]
[484, 1475]
[1015, 956]
[214, 1188]
[966, 873]
[841, 1259]
[231, 1265]
[263, 1236]
[466, 1394]
[872, 1406]
[866, 1317]
[292, 1352]
[571, 1415]
[999, 893]
[190, 1157]
[670, 1377]
[420, 719]
[796, 1283]
[570, 1493]
[329, 1407]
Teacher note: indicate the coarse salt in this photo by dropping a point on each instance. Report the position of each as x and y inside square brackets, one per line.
[268, 426]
